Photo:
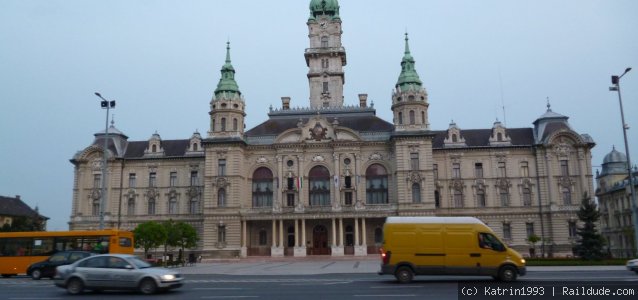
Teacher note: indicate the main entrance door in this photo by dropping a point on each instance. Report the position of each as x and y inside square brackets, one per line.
[320, 241]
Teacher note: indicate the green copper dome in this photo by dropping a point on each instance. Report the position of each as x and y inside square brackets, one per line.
[408, 77]
[324, 7]
[227, 83]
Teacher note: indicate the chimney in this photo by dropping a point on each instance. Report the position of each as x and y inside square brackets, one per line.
[18, 197]
[285, 103]
[363, 99]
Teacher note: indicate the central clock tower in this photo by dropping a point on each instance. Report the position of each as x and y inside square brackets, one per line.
[326, 56]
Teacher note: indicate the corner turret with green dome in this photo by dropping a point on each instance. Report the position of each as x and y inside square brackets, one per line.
[324, 7]
[227, 108]
[409, 98]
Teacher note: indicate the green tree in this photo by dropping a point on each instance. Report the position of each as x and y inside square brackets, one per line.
[149, 235]
[590, 243]
[187, 237]
[172, 235]
[23, 223]
[532, 240]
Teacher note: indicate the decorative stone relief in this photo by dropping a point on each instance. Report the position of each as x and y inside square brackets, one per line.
[415, 177]
[96, 164]
[95, 194]
[565, 181]
[359, 205]
[455, 157]
[501, 156]
[193, 192]
[457, 185]
[221, 153]
[562, 149]
[221, 182]
[318, 133]
[262, 160]
[502, 183]
[318, 158]
[299, 208]
[376, 156]
[152, 193]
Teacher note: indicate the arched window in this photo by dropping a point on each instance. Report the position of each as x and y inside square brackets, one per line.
[195, 147]
[235, 126]
[527, 197]
[291, 236]
[262, 187]
[96, 207]
[567, 196]
[499, 137]
[480, 198]
[131, 207]
[454, 138]
[223, 124]
[437, 199]
[423, 117]
[324, 41]
[263, 237]
[172, 205]
[154, 148]
[378, 235]
[376, 185]
[212, 125]
[349, 236]
[416, 193]
[319, 188]
[400, 118]
[221, 198]
[194, 206]
[151, 206]
[458, 198]
[412, 118]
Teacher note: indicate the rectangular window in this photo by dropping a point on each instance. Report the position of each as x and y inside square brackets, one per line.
[529, 229]
[456, 170]
[132, 180]
[480, 199]
[564, 168]
[173, 179]
[478, 170]
[290, 183]
[290, 200]
[325, 87]
[507, 231]
[414, 161]
[572, 229]
[502, 172]
[152, 179]
[505, 198]
[348, 200]
[221, 167]
[348, 182]
[524, 169]
[221, 234]
[435, 171]
[458, 199]
[527, 197]
[97, 181]
[194, 178]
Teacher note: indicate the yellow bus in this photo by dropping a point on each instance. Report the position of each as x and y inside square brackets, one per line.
[18, 250]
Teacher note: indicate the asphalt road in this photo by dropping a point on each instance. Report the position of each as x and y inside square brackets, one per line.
[324, 286]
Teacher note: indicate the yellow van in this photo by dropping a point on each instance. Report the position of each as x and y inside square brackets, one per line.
[446, 246]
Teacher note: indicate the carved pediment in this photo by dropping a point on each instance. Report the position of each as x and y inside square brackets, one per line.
[152, 193]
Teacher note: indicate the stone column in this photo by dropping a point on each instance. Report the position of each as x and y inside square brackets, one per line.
[244, 244]
[337, 248]
[356, 232]
[300, 244]
[334, 234]
[276, 250]
[281, 233]
[361, 250]
[303, 233]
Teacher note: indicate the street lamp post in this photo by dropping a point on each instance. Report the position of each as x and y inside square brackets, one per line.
[106, 104]
[615, 80]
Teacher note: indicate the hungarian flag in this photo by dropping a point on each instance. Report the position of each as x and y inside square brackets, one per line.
[299, 183]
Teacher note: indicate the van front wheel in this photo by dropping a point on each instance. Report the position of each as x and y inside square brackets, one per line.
[404, 274]
[507, 274]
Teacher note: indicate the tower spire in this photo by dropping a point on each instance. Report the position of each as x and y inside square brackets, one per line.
[408, 77]
[227, 83]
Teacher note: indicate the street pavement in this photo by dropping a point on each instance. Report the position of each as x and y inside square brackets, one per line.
[315, 265]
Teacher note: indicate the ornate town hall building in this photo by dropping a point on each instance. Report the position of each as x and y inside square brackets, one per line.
[321, 180]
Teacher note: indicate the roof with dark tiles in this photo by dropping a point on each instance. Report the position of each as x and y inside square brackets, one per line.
[481, 137]
[12, 206]
[369, 123]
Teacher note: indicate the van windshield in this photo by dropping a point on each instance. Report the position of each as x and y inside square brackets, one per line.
[489, 241]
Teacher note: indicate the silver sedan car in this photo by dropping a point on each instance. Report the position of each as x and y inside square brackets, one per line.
[115, 272]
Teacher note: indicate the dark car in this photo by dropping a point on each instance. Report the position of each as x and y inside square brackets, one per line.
[115, 272]
[47, 267]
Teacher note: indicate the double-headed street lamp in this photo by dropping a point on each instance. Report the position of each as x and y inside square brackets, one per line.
[615, 80]
[106, 104]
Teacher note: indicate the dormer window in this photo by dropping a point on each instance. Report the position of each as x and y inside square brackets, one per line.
[154, 148]
[195, 147]
[454, 138]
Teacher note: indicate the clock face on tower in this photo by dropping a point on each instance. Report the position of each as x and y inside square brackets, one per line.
[322, 24]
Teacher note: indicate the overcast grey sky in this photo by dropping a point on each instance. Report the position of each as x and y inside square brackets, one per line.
[160, 61]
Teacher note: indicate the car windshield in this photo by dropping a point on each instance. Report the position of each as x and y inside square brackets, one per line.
[140, 264]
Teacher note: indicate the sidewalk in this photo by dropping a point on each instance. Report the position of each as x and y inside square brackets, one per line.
[314, 265]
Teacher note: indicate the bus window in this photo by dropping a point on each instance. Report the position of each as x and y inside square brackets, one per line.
[125, 242]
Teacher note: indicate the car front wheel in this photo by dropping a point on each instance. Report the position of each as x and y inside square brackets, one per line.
[36, 274]
[507, 274]
[148, 286]
[75, 286]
